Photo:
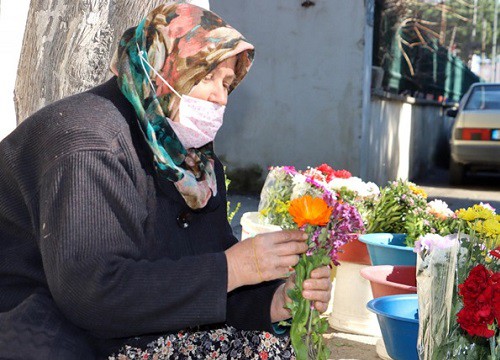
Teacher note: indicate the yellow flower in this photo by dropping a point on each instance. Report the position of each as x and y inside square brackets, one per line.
[491, 227]
[309, 210]
[417, 191]
[477, 226]
[475, 212]
[484, 213]
[467, 215]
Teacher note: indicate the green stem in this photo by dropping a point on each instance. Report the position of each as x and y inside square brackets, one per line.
[320, 350]
[492, 347]
[309, 327]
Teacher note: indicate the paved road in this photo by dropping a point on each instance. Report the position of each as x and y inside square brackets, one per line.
[481, 187]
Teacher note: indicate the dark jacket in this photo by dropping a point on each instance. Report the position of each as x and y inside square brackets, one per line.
[92, 253]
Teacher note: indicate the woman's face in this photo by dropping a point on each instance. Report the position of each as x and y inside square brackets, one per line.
[214, 87]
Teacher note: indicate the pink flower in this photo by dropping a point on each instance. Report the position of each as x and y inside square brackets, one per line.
[429, 242]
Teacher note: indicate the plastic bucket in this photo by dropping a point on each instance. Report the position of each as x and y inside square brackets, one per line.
[251, 225]
[349, 312]
[391, 279]
[389, 249]
[355, 252]
[398, 319]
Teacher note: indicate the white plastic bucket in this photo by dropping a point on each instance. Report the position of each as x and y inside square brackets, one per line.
[251, 225]
[349, 312]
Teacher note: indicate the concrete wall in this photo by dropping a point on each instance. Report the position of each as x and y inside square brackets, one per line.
[301, 103]
[404, 138]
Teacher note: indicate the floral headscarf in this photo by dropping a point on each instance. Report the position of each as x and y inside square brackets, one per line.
[183, 43]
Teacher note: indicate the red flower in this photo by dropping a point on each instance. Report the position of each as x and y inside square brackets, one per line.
[481, 296]
[470, 320]
[495, 252]
[495, 302]
[343, 174]
[477, 281]
[327, 171]
[264, 355]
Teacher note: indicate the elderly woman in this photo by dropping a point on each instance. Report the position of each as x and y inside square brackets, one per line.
[113, 224]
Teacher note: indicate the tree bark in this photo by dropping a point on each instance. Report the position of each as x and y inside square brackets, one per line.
[68, 45]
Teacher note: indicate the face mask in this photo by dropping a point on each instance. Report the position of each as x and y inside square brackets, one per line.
[199, 120]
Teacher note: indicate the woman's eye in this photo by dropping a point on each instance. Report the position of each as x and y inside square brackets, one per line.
[227, 86]
[208, 77]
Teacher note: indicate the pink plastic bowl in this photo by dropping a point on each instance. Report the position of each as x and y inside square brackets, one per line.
[391, 279]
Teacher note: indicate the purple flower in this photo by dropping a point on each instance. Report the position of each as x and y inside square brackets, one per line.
[430, 242]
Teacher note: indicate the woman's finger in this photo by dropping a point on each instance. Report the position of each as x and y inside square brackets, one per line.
[320, 306]
[318, 284]
[321, 272]
[316, 295]
[291, 248]
[287, 262]
[288, 235]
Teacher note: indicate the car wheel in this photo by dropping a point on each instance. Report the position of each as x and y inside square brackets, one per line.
[457, 173]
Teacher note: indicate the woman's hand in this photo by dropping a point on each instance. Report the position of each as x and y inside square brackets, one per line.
[264, 257]
[317, 288]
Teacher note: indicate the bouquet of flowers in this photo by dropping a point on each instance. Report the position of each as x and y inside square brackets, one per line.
[352, 190]
[462, 318]
[401, 204]
[286, 183]
[301, 199]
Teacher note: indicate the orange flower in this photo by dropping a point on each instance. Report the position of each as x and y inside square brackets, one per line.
[309, 210]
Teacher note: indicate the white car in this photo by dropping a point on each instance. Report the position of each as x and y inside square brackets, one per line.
[475, 137]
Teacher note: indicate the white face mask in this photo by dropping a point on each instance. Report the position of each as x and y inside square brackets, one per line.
[199, 120]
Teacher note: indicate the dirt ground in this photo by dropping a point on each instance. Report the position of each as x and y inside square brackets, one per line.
[350, 347]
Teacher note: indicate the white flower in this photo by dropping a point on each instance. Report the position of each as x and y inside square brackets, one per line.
[488, 206]
[356, 185]
[439, 209]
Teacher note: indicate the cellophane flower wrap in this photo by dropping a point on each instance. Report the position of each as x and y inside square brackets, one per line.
[436, 264]
[460, 306]
[302, 200]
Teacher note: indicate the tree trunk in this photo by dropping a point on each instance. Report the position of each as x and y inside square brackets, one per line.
[68, 45]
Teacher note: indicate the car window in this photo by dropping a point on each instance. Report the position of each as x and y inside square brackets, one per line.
[484, 98]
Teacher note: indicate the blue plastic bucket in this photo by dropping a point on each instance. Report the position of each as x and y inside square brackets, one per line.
[398, 319]
[389, 249]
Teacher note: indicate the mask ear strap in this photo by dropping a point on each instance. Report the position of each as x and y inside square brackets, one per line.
[143, 60]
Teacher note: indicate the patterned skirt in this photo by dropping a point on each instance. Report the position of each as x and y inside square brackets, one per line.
[225, 343]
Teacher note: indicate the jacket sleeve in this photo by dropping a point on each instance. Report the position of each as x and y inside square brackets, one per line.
[90, 225]
[249, 307]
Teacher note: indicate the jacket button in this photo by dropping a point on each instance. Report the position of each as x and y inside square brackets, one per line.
[184, 219]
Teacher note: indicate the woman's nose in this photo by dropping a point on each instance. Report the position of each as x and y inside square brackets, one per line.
[218, 95]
